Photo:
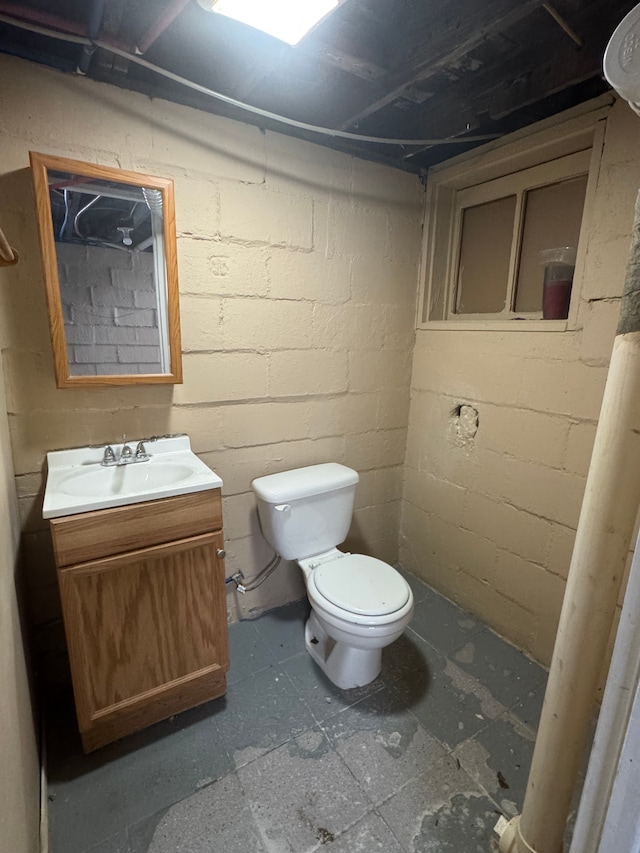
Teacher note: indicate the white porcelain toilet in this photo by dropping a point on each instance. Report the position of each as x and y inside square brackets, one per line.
[359, 604]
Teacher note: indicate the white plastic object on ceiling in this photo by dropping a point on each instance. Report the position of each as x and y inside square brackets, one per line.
[622, 59]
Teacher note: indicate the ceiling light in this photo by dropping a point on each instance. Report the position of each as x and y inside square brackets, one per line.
[287, 20]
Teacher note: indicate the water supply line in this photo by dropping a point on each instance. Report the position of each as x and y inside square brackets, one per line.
[259, 579]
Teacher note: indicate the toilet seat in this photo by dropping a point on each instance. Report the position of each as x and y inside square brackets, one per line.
[361, 585]
[341, 613]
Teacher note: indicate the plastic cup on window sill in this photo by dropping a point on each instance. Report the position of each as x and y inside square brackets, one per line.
[559, 266]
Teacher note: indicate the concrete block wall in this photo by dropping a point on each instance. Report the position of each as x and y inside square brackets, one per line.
[19, 760]
[490, 519]
[297, 270]
[110, 313]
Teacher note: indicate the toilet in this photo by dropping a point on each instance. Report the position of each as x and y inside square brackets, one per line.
[359, 604]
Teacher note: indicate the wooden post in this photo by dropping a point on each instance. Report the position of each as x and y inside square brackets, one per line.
[605, 528]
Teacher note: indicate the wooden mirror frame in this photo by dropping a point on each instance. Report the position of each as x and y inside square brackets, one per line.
[41, 164]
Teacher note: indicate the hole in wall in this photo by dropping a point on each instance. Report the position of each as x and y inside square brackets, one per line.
[464, 422]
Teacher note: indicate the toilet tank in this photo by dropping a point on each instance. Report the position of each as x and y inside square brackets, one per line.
[306, 511]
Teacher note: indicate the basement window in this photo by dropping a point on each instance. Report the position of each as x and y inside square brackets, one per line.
[484, 238]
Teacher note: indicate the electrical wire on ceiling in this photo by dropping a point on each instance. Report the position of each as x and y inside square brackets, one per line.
[211, 93]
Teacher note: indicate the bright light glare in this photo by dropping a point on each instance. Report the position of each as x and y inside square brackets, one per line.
[287, 20]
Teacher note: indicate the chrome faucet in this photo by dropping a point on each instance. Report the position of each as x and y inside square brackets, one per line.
[141, 452]
[126, 457]
[108, 457]
[126, 454]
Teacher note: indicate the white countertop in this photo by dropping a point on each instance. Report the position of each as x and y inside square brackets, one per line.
[77, 482]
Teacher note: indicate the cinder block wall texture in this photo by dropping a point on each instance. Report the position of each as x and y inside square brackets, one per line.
[298, 271]
[491, 522]
[110, 310]
[19, 765]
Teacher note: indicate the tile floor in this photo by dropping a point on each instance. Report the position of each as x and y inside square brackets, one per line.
[424, 759]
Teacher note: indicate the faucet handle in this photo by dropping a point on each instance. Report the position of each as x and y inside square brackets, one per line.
[108, 457]
[141, 451]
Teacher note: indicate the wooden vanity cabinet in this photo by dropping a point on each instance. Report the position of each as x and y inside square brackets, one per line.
[144, 608]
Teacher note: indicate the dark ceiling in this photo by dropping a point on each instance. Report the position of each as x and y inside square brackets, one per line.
[404, 69]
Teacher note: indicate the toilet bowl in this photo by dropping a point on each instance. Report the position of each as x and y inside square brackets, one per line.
[359, 604]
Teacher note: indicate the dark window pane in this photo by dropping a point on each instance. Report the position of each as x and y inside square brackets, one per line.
[553, 216]
[485, 251]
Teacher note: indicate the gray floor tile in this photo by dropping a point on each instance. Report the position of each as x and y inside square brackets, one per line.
[369, 835]
[217, 819]
[98, 795]
[508, 673]
[413, 813]
[498, 758]
[464, 824]
[118, 843]
[407, 660]
[321, 696]
[301, 794]
[450, 704]
[529, 709]
[261, 713]
[382, 743]
[418, 587]
[282, 630]
[248, 651]
[302, 786]
[443, 624]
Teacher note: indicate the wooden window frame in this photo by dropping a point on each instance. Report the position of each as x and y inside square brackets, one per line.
[549, 152]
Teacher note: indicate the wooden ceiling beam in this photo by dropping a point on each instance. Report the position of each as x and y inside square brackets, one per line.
[487, 101]
[563, 100]
[451, 32]
[495, 93]
[346, 61]
[336, 45]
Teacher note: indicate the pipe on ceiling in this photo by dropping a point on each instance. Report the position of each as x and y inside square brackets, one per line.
[47, 19]
[211, 93]
[39, 56]
[160, 25]
[96, 16]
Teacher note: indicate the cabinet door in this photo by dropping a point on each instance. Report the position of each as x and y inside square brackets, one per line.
[147, 635]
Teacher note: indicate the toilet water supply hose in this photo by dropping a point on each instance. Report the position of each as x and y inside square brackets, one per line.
[259, 579]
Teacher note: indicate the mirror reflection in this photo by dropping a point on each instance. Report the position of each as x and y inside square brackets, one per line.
[108, 277]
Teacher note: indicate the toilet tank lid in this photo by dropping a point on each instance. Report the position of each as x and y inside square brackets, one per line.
[304, 482]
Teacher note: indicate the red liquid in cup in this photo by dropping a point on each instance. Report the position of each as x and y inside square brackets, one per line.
[555, 299]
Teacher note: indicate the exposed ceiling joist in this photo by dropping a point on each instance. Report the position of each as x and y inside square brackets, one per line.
[397, 69]
[463, 27]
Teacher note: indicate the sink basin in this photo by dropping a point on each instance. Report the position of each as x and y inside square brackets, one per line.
[123, 479]
[77, 482]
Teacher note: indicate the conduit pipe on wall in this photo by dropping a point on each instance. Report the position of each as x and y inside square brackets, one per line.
[8, 255]
[605, 528]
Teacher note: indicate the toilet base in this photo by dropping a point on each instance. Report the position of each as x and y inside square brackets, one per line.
[344, 665]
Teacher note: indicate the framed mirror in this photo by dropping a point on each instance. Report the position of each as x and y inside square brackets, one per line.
[108, 243]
